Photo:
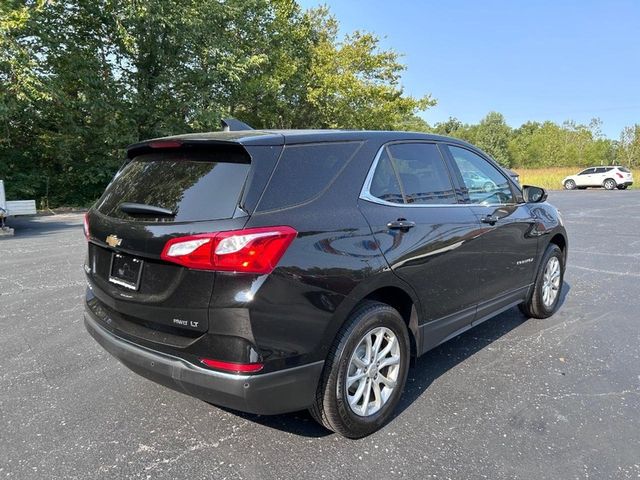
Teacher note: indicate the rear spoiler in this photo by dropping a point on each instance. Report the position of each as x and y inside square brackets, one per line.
[196, 141]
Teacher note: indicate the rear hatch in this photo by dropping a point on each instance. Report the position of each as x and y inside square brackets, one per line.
[624, 174]
[157, 196]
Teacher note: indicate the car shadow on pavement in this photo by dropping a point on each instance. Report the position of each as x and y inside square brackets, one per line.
[426, 369]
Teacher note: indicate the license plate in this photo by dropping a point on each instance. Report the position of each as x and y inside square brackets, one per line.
[125, 271]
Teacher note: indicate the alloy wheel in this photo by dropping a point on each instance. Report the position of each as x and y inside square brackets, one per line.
[373, 371]
[551, 282]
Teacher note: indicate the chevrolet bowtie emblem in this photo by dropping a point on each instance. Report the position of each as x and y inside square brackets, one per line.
[113, 241]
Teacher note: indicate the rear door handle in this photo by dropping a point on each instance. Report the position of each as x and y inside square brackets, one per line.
[401, 224]
[490, 219]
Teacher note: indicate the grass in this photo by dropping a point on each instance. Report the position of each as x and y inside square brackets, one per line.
[550, 178]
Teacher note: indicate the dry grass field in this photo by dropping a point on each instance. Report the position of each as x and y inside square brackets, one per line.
[551, 177]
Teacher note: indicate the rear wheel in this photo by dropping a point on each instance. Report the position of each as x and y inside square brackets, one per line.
[365, 372]
[545, 295]
[609, 184]
[569, 185]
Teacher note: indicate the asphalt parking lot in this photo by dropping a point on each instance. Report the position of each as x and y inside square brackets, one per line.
[511, 398]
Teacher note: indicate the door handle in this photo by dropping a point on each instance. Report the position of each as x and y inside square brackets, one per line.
[490, 219]
[401, 224]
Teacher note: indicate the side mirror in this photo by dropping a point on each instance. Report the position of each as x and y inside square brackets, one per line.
[534, 194]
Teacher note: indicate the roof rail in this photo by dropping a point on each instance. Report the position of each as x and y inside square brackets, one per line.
[232, 125]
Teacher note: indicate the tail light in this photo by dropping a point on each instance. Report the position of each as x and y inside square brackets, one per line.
[86, 225]
[232, 366]
[252, 250]
[619, 175]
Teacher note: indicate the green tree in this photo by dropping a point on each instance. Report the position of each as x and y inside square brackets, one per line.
[629, 146]
[81, 79]
[492, 135]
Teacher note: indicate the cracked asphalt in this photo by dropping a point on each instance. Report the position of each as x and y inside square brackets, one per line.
[511, 398]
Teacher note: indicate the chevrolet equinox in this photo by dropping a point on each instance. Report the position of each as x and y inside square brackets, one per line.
[272, 271]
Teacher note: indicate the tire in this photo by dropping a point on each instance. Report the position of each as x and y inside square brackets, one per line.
[569, 185]
[609, 184]
[332, 407]
[538, 304]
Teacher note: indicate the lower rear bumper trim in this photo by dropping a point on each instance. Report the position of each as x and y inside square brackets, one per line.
[270, 393]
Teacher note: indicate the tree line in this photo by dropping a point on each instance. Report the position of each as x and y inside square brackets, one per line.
[81, 79]
[547, 144]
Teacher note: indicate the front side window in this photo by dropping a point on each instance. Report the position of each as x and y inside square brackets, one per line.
[483, 182]
[588, 171]
[412, 173]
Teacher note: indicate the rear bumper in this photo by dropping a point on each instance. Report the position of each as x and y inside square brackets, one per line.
[267, 394]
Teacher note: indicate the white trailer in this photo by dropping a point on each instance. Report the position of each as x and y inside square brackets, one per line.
[12, 209]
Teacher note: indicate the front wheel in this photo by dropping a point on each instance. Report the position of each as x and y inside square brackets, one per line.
[544, 297]
[365, 372]
[609, 184]
[569, 185]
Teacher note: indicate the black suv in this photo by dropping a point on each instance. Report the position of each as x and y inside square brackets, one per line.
[273, 271]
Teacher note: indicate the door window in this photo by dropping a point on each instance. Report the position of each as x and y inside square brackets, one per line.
[588, 171]
[412, 173]
[484, 183]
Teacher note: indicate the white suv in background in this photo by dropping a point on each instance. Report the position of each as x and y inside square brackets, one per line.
[607, 177]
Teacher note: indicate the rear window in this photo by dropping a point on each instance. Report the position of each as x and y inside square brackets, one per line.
[196, 186]
[304, 172]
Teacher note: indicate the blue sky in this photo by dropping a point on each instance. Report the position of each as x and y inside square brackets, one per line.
[530, 60]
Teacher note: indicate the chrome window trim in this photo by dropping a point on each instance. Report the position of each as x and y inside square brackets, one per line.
[366, 195]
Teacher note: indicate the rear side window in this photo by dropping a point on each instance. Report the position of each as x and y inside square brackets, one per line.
[196, 186]
[624, 169]
[412, 173]
[423, 174]
[601, 170]
[304, 172]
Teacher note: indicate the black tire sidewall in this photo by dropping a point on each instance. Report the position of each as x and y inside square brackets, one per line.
[539, 306]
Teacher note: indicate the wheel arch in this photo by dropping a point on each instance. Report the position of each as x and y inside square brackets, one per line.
[399, 299]
[393, 292]
[561, 241]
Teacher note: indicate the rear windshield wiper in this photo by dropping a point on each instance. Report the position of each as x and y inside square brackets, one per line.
[144, 209]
